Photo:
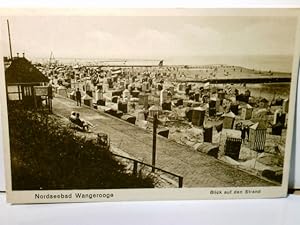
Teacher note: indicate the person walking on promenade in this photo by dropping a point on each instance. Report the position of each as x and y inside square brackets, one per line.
[243, 134]
[247, 132]
[78, 97]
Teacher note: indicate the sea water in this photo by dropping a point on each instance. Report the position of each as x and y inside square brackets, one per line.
[278, 63]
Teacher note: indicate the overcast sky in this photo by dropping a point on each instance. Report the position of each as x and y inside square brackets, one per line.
[149, 37]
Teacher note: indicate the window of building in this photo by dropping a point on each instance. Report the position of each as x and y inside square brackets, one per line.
[14, 92]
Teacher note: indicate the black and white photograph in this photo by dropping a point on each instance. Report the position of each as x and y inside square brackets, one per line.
[101, 106]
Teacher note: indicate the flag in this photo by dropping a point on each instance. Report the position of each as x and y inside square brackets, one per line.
[206, 85]
[116, 71]
[161, 63]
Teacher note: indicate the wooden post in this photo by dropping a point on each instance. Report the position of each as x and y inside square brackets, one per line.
[255, 160]
[47, 104]
[50, 105]
[19, 92]
[154, 142]
[50, 97]
[180, 183]
[34, 98]
[135, 164]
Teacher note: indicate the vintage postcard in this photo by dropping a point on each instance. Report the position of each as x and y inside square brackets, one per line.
[147, 104]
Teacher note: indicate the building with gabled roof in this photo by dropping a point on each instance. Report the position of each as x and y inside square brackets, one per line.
[21, 77]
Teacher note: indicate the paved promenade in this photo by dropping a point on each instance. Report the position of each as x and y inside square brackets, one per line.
[197, 169]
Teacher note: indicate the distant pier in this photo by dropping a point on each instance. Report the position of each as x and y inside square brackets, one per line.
[249, 80]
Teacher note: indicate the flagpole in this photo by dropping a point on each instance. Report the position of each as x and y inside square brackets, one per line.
[10, 49]
[154, 142]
